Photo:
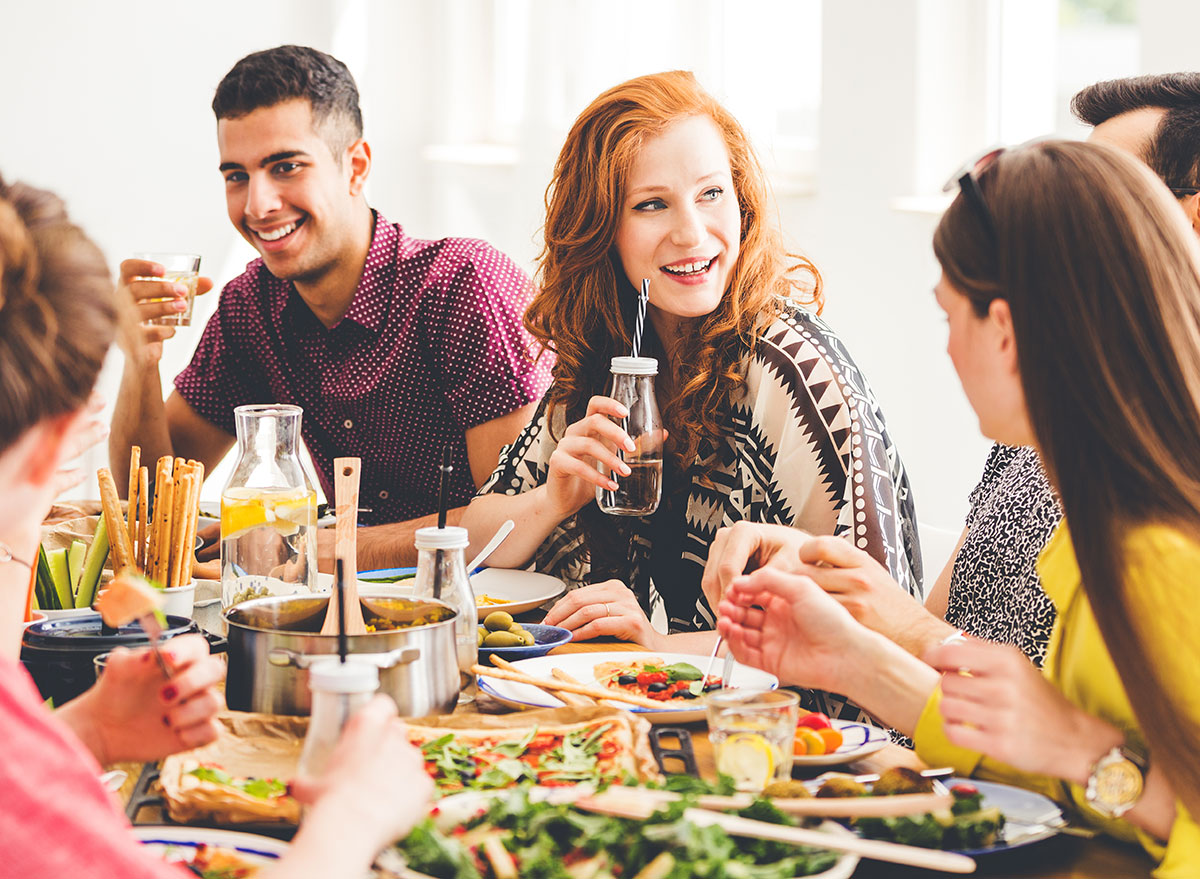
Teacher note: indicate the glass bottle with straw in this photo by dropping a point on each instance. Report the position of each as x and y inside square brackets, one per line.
[639, 493]
[442, 575]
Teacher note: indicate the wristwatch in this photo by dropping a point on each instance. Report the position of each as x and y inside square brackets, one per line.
[1117, 780]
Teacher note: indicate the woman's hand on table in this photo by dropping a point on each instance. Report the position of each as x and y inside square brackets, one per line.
[134, 714]
[588, 443]
[608, 609]
[996, 702]
[374, 789]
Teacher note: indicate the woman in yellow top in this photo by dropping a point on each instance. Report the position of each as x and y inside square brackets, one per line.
[1071, 285]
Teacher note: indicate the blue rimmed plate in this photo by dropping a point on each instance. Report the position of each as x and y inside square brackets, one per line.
[176, 843]
[545, 638]
[1029, 817]
[858, 740]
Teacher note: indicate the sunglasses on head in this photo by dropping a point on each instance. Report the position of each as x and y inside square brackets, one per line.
[965, 179]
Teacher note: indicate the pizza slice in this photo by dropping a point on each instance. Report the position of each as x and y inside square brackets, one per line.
[654, 678]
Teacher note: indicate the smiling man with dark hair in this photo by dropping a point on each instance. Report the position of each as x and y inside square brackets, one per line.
[395, 347]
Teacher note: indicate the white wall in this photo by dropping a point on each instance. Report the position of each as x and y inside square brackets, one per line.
[108, 104]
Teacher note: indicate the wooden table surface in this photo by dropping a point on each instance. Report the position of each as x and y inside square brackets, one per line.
[1061, 857]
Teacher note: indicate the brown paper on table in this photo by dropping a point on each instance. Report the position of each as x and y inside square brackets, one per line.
[248, 746]
[61, 534]
[638, 727]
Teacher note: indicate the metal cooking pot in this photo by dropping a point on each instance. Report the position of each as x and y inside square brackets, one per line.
[272, 641]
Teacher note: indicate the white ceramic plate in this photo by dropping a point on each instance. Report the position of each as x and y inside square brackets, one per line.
[175, 843]
[458, 808]
[1029, 817]
[859, 740]
[580, 666]
[518, 591]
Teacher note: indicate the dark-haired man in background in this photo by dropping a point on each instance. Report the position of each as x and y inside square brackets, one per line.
[395, 347]
[1157, 119]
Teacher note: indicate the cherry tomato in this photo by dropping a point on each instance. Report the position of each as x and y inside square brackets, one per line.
[814, 720]
[652, 677]
[964, 790]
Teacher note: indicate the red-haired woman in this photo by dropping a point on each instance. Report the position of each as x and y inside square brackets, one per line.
[767, 417]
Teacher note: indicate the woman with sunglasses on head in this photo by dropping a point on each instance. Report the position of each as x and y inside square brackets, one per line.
[1071, 284]
[767, 418]
[58, 317]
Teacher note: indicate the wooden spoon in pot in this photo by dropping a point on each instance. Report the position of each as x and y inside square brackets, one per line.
[345, 485]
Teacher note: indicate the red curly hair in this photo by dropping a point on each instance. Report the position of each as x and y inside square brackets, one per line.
[584, 306]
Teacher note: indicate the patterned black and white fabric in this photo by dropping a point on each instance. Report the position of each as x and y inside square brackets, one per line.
[995, 592]
[806, 446]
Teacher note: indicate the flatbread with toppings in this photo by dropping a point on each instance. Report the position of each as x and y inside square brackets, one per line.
[242, 777]
[552, 748]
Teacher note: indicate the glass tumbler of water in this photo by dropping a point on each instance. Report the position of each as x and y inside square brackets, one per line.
[638, 493]
[178, 268]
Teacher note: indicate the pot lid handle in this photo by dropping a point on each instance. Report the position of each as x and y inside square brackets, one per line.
[400, 656]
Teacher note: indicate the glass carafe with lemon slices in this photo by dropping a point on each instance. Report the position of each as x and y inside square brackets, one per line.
[268, 510]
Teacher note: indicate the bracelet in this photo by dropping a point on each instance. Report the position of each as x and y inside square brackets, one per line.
[6, 555]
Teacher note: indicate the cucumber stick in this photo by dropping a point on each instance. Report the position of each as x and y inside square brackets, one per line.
[89, 577]
[75, 556]
[57, 559]
[43, 588]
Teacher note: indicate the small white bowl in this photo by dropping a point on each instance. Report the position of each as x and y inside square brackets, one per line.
[68, 613]
[37, 617]
[178, 602]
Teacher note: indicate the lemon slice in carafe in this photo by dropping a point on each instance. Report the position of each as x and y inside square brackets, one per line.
[748, 759]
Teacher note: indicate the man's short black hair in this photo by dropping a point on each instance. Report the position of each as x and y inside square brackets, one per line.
[1174, 150]
[285, 73]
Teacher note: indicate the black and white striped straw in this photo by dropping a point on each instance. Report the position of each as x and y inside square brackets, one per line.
[641, 316]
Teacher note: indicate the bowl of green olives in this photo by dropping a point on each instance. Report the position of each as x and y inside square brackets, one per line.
[501, 635]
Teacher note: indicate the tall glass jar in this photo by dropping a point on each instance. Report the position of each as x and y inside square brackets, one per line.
[268, 509]
[442, 575]
[639, 493]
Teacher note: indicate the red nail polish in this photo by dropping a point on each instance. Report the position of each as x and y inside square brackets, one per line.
[169, 693]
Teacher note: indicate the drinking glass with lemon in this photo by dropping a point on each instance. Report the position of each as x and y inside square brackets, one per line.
[752, 733]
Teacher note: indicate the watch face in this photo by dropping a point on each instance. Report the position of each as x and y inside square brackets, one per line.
[1118, 783]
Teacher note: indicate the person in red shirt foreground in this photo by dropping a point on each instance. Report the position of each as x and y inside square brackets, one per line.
[58, 317]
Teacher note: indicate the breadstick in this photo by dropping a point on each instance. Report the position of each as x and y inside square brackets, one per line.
[581, 689]
[164, 498]
[178, 525]
[143, 506]
[194, 512]
[186, 510]
[117, 535]
[568, 698]
[131, 521]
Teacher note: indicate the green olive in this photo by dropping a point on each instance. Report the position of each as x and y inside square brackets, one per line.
[526, 637]
[502, 639]
[483, 633]
[498, 621]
